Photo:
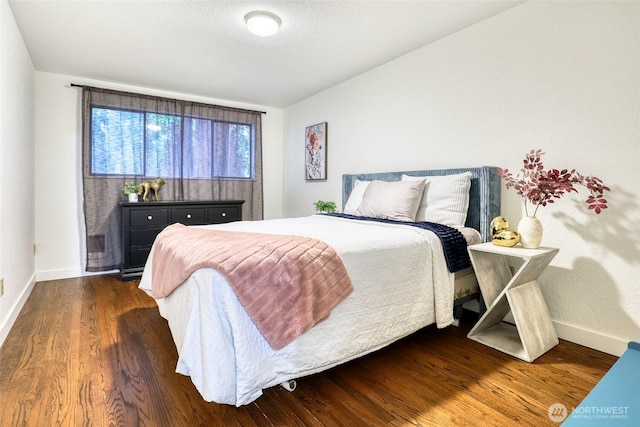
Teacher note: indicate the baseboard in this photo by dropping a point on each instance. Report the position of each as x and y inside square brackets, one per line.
[591, 339]
[68, 273]
[15, 310]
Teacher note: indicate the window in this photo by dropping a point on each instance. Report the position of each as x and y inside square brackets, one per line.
[133, 143]
[203, 152]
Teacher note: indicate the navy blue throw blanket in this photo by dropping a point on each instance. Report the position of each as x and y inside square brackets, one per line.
[453, 242]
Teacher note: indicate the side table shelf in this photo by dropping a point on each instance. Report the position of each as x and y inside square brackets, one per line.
[519, 293]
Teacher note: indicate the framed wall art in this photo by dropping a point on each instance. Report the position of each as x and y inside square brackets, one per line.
[315, 143]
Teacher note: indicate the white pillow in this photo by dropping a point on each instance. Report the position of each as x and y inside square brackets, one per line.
[355, 198]
[445, 199]
[398, 200]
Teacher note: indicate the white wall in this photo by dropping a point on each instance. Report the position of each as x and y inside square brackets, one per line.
[561, 76]
[16, 170]
[59, 216]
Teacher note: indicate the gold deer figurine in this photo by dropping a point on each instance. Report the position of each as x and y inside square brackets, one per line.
[143, 189]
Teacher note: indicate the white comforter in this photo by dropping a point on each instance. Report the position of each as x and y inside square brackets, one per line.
[401, 284]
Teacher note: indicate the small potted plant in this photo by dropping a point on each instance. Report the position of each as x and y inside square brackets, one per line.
[131, 190]
[322, 206]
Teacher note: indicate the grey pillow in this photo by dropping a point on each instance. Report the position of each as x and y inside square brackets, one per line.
[398, 200]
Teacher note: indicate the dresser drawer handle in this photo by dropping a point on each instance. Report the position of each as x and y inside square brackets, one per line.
[149, 217]
[224, 214]
[188, 216]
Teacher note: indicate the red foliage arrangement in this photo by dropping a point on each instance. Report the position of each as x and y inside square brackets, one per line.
[539, 186]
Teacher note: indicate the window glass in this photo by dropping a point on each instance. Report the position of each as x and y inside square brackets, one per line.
[162, 148]
[117, 142]
[169, 146]
[232, 156]
[197, 148]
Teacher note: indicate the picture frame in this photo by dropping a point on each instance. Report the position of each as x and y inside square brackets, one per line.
[315, 152]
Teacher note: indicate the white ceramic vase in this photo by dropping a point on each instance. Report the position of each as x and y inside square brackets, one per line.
[530, 230]
[133, 197]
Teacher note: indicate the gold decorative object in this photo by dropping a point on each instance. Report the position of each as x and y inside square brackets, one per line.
[506, 238]
[497, 225]
[500, 233]
[143, 189]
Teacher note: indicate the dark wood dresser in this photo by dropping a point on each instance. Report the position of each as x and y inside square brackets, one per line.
[143, 221]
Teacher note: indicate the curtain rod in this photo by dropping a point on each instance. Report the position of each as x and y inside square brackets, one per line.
[213, 105]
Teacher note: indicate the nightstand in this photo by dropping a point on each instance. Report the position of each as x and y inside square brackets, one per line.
[519, 293]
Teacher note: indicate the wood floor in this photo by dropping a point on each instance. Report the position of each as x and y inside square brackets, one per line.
[95, 352]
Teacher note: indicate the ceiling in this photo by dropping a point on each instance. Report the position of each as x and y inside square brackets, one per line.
[203, 48]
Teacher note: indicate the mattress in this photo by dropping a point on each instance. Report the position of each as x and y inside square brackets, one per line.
[465, 280]
[465, 284]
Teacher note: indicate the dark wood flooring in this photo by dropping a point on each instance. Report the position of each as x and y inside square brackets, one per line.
[94, 351]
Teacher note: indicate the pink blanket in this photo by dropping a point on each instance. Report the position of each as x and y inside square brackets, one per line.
[287, 284]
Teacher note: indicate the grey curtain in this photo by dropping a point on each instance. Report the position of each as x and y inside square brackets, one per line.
[103, 193]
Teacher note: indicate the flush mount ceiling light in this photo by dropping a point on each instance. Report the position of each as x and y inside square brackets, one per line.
[262, 23]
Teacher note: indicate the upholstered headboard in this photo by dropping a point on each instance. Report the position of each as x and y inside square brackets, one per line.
[484, 195]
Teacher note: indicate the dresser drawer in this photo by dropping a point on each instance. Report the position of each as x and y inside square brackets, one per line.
[189, 216]
[222, 214]
[138, 257]
[143, 237]
[149, 217]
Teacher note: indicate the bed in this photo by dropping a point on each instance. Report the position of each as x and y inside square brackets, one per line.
[401, 282]
[484, 205]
